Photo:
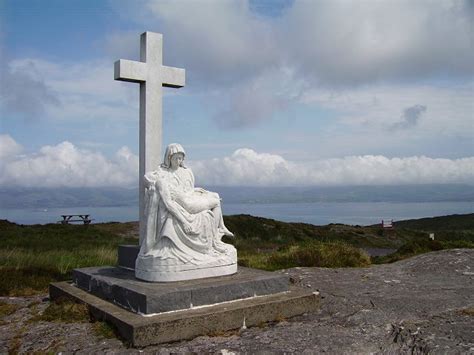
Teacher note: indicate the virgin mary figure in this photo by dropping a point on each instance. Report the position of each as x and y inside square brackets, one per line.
[184, 226]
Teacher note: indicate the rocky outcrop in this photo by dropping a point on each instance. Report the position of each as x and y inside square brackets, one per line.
[419, 305]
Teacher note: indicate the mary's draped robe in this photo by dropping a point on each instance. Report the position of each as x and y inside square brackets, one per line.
[182, 236]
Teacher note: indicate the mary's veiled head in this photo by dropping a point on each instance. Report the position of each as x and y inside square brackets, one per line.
[171, 149]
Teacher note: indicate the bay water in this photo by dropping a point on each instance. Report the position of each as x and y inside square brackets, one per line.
[318, 213]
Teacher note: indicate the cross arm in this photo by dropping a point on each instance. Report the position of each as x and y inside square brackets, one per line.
[173, 77]
[129, 70]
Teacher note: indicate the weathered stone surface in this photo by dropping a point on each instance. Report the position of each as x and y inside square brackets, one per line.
[120, 286]
[362, 311]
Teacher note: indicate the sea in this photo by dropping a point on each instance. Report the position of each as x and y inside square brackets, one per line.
[317, 213]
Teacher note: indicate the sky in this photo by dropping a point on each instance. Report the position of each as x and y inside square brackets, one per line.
[278, 93]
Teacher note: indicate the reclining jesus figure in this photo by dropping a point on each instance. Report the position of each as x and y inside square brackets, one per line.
[184, 226]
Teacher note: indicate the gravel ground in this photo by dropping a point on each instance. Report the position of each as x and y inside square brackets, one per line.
[420, 305]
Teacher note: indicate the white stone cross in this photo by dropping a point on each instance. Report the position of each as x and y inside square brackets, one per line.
[151, 74]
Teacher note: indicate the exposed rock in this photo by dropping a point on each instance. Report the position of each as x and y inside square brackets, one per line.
[419, 305]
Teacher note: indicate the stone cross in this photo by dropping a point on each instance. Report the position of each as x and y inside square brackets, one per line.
[151, 74]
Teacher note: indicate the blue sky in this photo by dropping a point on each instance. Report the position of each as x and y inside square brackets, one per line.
[277, 93]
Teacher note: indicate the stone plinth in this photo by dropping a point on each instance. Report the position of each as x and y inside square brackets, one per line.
[147, 313]
[187, 324]
[127, 254]
[119, 286]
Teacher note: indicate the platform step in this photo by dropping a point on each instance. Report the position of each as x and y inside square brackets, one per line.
[172, 326]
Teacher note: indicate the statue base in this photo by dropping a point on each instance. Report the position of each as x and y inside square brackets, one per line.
[181, 274]
[147, 313]
[151, 269]
[128, 254]
[120, 287]
[188, 323]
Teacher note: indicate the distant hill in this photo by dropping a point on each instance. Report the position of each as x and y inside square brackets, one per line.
[263, 231]
[453, 222]
[67, 197]
[108, 197]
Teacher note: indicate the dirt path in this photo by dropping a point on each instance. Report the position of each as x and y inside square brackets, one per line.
[420, 305]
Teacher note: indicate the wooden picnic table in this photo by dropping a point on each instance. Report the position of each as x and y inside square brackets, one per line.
[68, 218]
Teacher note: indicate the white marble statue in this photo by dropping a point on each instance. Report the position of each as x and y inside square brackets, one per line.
[183, 226]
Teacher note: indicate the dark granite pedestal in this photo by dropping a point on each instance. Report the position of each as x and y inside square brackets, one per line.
[147, 313]
[127, 254]
[120, 287]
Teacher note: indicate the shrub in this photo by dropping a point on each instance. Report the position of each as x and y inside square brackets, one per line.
[314, 253]
[421, 246]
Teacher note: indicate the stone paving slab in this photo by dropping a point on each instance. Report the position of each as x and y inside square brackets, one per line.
[173, 326]
[120, 286]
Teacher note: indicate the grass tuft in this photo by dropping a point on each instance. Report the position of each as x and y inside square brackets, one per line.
[468, 311]
[64, 310]
[14, 344]
[105, 330]
[7, 308]
[309, 254]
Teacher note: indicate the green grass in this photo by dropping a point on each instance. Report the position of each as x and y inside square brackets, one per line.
[263, 232]
[417, 247]
[64, 310]
[6, 309]
[268, 244]
[105, 330]
[313, 253]
[33, 256]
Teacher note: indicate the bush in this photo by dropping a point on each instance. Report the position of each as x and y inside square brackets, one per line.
[314, 253]
[416, 247]
[420, 246]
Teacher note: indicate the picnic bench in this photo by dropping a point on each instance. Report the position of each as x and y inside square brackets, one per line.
[70, 218]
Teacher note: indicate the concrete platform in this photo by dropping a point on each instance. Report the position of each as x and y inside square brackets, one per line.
[119, 286]
[186, 324]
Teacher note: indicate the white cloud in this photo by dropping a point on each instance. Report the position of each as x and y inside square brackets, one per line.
[69, 91]
[255, 100]
[9, 149]
[218, 41]
[340, 42]
[25, 90]
[364, 61]
[328, 45]
[449, 109]
[67, 166]
[249, 168]
[330, 41]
